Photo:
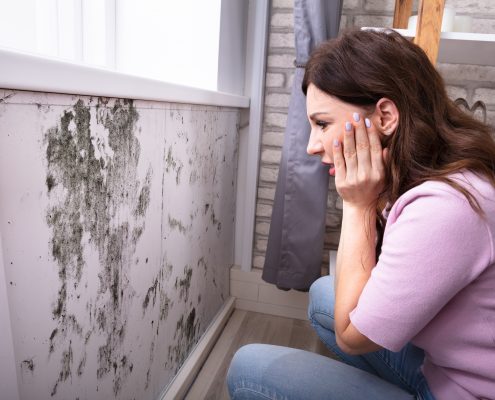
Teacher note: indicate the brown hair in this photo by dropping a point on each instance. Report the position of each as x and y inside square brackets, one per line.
[433, 139]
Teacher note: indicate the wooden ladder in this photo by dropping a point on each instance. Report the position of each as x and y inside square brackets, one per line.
[429, 25]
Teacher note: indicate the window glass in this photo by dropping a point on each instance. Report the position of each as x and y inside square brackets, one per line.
[169, 40]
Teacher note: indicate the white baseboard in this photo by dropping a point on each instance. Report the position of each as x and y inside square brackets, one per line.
[178, 387]
[254, 294]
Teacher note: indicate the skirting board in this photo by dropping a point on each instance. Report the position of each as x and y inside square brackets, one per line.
[181, 383]
[254, 294]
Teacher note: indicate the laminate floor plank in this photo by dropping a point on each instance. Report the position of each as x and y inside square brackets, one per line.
[244, 327]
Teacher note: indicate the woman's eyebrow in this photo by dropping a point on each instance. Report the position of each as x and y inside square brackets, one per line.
[315, 114]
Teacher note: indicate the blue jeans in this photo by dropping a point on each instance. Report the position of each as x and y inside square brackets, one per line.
[263, 371]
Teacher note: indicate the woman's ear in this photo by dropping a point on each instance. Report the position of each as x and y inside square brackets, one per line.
[386, 116]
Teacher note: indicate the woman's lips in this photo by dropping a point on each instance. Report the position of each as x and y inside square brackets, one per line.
[331, 171]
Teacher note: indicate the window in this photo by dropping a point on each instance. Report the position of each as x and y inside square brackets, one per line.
[168, 40]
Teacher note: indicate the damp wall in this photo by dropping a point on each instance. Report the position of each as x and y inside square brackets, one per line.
[117, 225]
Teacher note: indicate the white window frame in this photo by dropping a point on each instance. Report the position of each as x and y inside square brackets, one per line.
[250, 135]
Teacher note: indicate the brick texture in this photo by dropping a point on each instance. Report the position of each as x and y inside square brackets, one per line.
[472, 82]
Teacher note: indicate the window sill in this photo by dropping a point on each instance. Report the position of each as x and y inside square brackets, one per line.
[24, 71]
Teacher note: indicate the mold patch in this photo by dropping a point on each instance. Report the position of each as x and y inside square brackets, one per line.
[27, 366]
[173, 165]
[65, 368]
[92, 159]
[186, 333]
[184, 283]
[176, 224]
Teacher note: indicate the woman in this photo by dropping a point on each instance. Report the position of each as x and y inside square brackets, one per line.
[411, 311]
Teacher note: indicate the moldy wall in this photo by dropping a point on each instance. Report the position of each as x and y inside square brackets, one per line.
[117, 221]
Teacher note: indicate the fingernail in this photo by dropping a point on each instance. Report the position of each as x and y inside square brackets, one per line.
[367, 122]
[336, 142]
[356, 117]
[348, 126]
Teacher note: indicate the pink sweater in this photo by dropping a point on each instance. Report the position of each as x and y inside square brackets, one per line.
[434, 285]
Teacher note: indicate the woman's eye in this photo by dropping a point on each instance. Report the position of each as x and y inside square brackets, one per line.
[322, 124]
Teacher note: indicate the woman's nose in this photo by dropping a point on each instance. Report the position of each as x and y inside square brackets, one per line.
[314, 147]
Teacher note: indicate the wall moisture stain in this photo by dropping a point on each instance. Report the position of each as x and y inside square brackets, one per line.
[174, 165]
[27, 365]
[184, 283]
[176, 224]
[186, 332]
[97, 175]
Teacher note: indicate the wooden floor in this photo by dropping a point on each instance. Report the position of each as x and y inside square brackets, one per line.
[242, 328]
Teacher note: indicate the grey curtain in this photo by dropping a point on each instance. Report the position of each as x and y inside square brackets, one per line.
[296, 238]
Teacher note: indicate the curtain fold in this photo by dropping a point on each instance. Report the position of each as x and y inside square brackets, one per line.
[297, 229]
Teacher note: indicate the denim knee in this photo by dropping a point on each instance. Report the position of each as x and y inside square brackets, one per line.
[243, 363]
[322, 302]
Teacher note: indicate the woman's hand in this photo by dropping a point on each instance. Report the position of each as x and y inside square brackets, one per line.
[359, 163]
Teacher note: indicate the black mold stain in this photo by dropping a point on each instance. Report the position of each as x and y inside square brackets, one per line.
[144, 196]
[65, 368]
[28, 364]
[50, 182]
[175, 223]
[202, 263]
[152, 355]
[193, 176]
[164, 305]
[215, 221]
[101, 320]
[157, 288]
[52, 336]
[136, 234]
[86, 187]
[171, 164]
[184, 283]
[186, 332]
[82, 364]
[151, 292]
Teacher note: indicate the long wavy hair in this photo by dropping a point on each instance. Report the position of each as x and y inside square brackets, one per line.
[434, 138]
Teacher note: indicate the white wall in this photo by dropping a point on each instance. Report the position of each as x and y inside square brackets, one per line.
[8, 377]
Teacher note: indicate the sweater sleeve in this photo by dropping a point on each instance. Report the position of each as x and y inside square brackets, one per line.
[434, 245]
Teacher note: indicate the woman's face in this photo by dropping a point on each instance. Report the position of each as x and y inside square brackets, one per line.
[327, 116]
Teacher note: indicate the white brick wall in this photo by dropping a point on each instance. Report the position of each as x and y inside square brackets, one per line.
[282, 40]
[282, 20]
[277, 100]
[280, 60]
[485, 95]
[273, 139]
[269, 156]
[454, 92]
[274, 80]
[471, 82]
[276, 120]
[382, 6]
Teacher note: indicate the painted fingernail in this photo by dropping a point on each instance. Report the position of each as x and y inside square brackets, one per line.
[348, 126]
[356, 117]
[367, 122]
[336, 142]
